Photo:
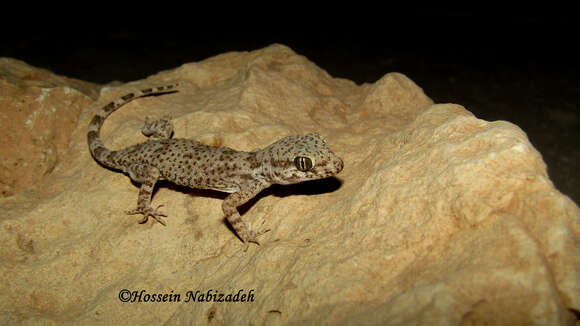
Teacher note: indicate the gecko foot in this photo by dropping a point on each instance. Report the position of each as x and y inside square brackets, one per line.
[158, 129]
[253, 233]
[149, 212]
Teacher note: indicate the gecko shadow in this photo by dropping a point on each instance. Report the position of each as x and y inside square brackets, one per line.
[312, 187]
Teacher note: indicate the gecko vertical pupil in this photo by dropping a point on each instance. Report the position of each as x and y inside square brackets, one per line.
[303, 163]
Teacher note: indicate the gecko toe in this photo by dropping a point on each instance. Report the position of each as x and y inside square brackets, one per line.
[254, 232]
[149, 212]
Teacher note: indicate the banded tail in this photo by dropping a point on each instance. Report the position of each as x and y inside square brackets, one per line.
[96, 146]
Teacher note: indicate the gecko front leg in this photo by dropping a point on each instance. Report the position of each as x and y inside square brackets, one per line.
[147, 176]
[246, 232]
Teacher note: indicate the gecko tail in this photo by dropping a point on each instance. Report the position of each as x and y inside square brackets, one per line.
[101, 153]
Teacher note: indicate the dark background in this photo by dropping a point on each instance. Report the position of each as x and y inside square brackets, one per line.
[501, 65]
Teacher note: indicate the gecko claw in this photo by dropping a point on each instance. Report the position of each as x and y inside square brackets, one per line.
[253, 233]
[149, 212]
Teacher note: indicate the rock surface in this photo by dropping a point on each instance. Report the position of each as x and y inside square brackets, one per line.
[438, 218]
[39, 112]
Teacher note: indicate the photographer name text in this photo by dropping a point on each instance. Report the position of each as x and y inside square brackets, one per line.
[191, 296]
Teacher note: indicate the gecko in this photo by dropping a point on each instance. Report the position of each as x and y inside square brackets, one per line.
[189, 163]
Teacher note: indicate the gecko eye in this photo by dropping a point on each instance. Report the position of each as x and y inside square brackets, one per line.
[303, 163]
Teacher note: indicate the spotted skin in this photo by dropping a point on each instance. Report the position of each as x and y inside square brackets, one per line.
[186, 162]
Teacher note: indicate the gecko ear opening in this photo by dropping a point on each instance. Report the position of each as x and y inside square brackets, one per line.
[303, 163]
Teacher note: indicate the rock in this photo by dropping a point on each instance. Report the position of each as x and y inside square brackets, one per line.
[40, 110]
[438, 218]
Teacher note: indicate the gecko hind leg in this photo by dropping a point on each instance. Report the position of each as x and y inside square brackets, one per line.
[147, 176]
[158, 129]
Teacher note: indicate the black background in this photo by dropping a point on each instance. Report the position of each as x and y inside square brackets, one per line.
[515, 65]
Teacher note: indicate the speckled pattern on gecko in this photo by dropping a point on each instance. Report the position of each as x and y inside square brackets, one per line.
[186, 162]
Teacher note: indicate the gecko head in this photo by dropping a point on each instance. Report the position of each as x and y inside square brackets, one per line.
[300, 158]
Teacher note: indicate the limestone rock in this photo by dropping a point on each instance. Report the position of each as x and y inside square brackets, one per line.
[438, 218]
[39, 112]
